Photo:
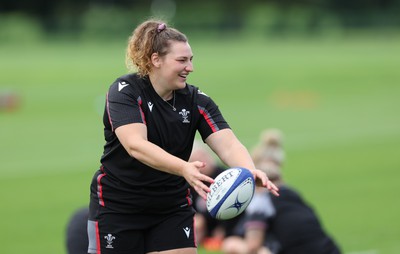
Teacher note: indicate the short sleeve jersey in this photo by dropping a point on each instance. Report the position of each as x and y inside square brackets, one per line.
[126, 183]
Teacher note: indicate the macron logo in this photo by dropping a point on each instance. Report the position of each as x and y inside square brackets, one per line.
[150, 106]
[202, 93]
[121, 85]
[187, 232]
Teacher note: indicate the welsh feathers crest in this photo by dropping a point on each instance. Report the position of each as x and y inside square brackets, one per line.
[185, 115]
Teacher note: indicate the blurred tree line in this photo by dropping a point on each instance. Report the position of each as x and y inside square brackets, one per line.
[118, 17]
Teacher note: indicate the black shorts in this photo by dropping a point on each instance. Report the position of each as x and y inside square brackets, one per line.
[128, 234]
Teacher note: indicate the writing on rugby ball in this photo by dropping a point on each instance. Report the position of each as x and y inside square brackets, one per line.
[230, 193]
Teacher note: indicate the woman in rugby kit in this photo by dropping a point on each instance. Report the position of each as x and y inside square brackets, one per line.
[140, 199]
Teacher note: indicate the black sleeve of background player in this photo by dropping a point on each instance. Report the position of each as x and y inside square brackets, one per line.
[211, 119]
[124, 106]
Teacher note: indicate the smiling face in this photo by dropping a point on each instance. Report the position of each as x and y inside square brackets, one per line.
[170, 71]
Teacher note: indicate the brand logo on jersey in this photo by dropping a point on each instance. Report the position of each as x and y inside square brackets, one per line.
[200, 92]
[187, 232]
[121, 85]
[150, 105]
[185, 115]
[109, 238]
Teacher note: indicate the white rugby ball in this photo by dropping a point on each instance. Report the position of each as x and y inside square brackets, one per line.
[230, 193]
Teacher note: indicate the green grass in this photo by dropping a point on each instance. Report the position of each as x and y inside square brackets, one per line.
[337, 102]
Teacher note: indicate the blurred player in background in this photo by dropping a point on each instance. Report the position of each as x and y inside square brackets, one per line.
[269, 148]
[209, 231]
[77, 241]
[279, 225]
[140, 198]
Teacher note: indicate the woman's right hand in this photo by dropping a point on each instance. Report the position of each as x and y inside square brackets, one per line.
[192, 174]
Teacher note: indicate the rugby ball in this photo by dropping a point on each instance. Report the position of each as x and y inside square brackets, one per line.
[230, 193]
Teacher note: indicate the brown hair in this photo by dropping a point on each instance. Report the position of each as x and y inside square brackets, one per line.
[152, 36]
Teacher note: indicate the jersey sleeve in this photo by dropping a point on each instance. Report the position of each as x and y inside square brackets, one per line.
[124, 104]
[211, 119]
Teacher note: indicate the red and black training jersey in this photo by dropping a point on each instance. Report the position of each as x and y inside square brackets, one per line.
[124, 184]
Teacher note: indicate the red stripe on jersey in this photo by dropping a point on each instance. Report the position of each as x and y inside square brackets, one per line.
[188, 198]
[100, 189]
[140, 102]
[98, 245]
[208, 119]
[108, 113]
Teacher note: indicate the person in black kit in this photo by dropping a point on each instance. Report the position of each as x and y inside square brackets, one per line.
[279, 225]
[76, 237]
[140, 200]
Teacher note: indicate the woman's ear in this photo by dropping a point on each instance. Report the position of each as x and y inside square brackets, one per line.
[155, 60]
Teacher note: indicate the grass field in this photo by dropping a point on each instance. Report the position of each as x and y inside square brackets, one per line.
[337, 102]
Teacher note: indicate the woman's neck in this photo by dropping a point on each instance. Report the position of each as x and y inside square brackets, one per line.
[165, 94]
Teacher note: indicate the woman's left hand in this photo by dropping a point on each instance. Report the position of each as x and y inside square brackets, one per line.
[263, 181]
